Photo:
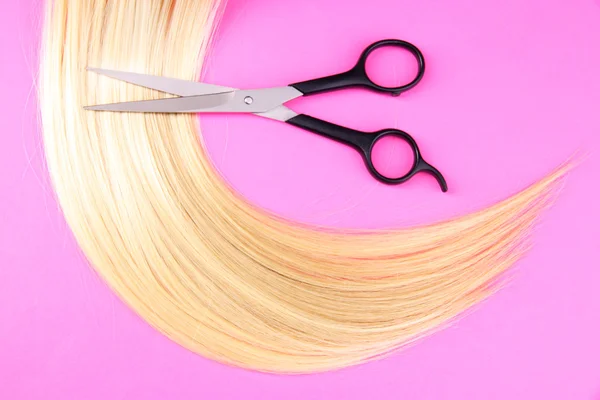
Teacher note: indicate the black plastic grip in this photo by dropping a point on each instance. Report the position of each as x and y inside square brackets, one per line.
[347, 136]
[364, 142]
[358, 77]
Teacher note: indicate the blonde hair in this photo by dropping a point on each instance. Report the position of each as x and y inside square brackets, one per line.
[203, 266]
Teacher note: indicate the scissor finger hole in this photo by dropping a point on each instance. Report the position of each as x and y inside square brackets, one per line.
[391, 66]
[392, 156]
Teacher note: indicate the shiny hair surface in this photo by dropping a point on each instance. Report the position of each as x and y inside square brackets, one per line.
[204, 266]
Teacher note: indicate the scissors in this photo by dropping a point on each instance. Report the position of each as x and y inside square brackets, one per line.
[196, 97]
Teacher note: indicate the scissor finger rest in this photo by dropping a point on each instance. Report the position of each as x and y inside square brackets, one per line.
[364, 142]
[418, 165]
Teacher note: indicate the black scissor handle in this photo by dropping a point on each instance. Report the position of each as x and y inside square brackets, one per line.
[358, 77]
[419, 165]
[364, 142]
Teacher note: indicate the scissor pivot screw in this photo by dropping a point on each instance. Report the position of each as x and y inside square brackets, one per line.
[248, 100]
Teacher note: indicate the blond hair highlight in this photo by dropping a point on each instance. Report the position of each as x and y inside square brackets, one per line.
[199, 263]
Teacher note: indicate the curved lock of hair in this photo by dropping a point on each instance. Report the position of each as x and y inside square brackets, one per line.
[202, 265]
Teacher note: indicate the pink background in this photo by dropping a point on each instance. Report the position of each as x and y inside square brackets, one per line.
[512, 89]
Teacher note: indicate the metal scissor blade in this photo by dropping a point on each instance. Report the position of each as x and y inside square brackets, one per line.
[239, 101]
[175, 86]
[188, 104]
